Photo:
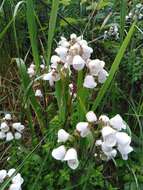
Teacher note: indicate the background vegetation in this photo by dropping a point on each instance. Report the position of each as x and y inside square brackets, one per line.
[29, 29]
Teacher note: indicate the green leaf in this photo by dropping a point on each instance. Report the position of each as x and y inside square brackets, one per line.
[52, 25]
[32, 28]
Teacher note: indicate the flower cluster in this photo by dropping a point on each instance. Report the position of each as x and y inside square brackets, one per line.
[70, 155]
[113, 138]
[16, 179]
[75, 54]
[136, 12]
[9, 129]
[63, 154]
[112, 33]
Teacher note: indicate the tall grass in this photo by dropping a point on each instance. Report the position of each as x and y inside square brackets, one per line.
[31, 21]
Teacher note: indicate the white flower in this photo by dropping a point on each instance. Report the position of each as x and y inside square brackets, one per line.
[11, 172]
[71, 158]
[52, 76]
[78, 63]
[7, 116]
[2, 135]
[108, 151]
[9, 136]
[4, 127]
[38, 93]
[59, 153]
[63, 42]
[42, 66]
[89, 82]
[123, 138]
[83, 129]
[18, 126]
[31, 71]
[3, 174]
[95, 66]
[17, 136]
[63, 136]
[91, 117]
[98, 142]
[73, 36]
[87, 51]
[32, 66]
[15, 187]
[62, 52]
[102, 76]
[17, 179]
[108, 135]
[125, 150]
[117, 122]
[104, 120]
[55, 60]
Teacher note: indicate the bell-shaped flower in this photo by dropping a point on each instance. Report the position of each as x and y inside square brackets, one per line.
[18, 126]
[78, 63]
[117, 122]
[4, 127]
[71, 158]
[104, 120]
[83, 128]
[63, 42]
[17, 179]
[63, 136]
[17, 135]
[106, 148]
[89, 82]
[91, 117]
[102, 76]
[55, 60]
[59, 153]
[62, 52]
[11, 172]
[9, 136]
[109, 136]
[87, 51]
[95, 66]
[2, 135]
[3, 174]
[125, 150]
[108, 151]
[38, 93]
[7, 116]
[123, 139]
[14, 186]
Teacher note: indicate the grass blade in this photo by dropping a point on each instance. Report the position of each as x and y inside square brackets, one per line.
[52, 24]
[17, 7]
[122, 18]
[114, 68]
[31, 21]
